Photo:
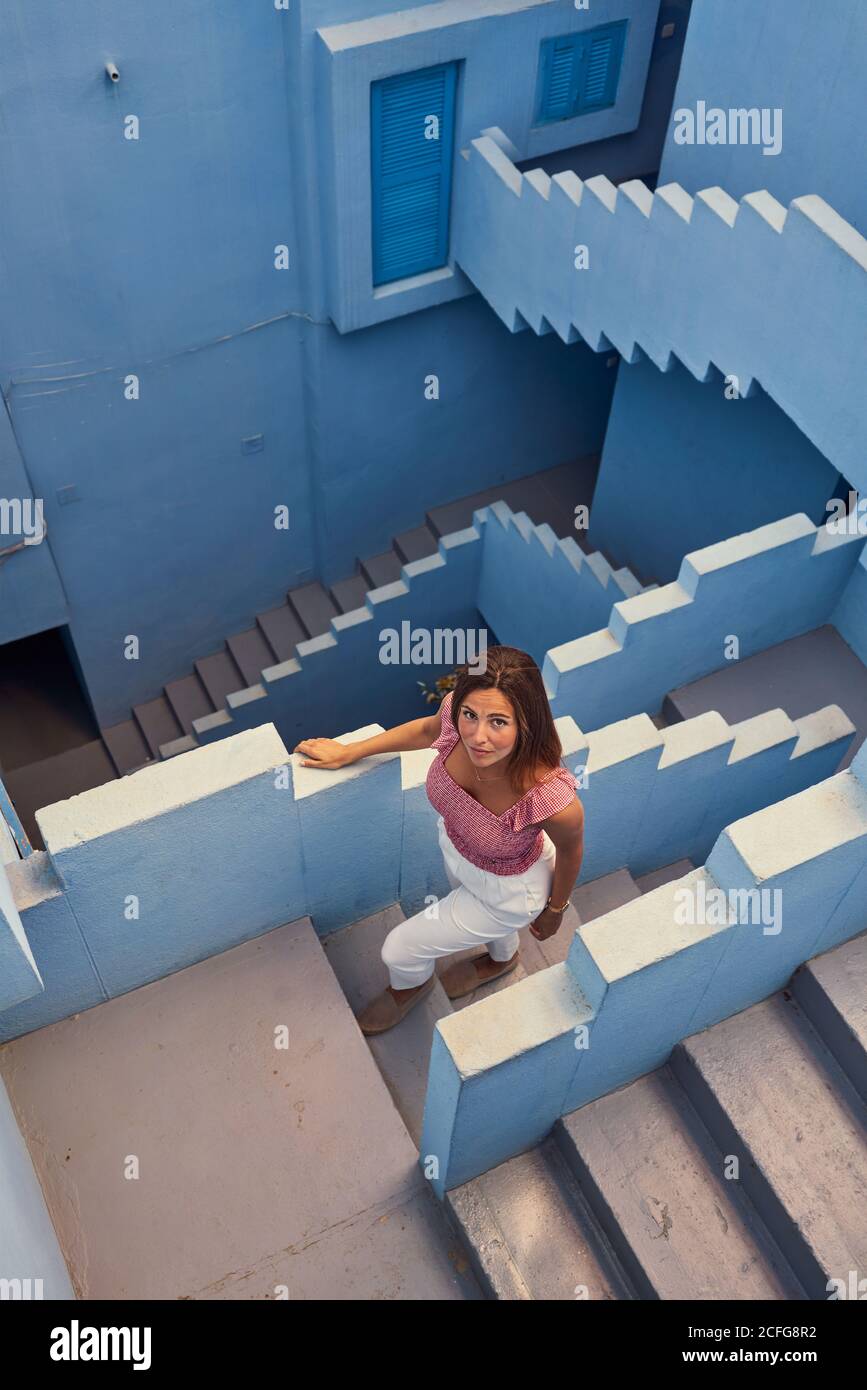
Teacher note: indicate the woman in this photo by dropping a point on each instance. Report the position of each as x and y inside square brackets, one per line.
[510, 830]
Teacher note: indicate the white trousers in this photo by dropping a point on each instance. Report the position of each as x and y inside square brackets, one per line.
[481, 908]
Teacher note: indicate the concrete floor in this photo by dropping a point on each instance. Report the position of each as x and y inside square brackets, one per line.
[258, 1167]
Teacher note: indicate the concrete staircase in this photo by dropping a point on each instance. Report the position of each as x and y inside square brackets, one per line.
[55, 778]
[544, 590]
[651, 256]
[402, 1054]
[632, 1196]
[163, 727]
[798, 676]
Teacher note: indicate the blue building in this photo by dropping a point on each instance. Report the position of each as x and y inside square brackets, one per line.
[330, 319]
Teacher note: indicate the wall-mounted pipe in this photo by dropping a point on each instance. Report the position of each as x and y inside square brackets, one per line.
[112, 72]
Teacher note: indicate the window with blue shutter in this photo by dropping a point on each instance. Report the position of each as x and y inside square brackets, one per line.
[411, 149]
[578, 73]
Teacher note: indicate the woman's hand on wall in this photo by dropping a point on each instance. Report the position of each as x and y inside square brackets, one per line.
[324, 752]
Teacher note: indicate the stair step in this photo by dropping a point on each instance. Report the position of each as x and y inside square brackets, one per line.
[416, 544]
[627, 582]
[646, 883]
[313, 608]
[799, 676]
[527, 495]
[832, 991]
[349, 594]
[525, 524]
[189, 700]
[458, 515]
[252, 654]
[656, 1183]
[157, 722]
[534, 955]
[530, 956]
[383, 569]
[529, 1234]
[599, 566]
[604, 894]
[632, 575]
[770, 1092]
[186, 744]
[592, 549]
[402, 1054]
[282, 631]
[532, 496]
[56, 778]
[127, 746]
[550, 495]
[220, 677]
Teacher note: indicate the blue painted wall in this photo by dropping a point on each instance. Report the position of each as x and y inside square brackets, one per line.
[153, 257]
[774, 297]
[659, 982]
[235, 839]
[542, 589]
[808, 60]
[683, 467]
[156, 257]
[850, 615]
[29, 1248]
[489, 39]
[171, 538]
[505, 408]
[637, 153]
[763, 587]
[341, 681]
[31, 594]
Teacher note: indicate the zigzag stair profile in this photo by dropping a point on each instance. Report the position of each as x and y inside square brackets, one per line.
[737, 1170]
[801, 671]
[580, 675]
[165, 726]
[540, 589]
[546, 544]
[652, 255]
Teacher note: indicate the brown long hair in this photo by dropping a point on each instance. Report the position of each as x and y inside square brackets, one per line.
[516, 674]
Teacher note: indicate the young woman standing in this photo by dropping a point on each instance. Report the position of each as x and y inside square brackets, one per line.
[510, 830]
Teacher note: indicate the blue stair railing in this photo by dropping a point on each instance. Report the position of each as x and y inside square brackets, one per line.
[16, 829]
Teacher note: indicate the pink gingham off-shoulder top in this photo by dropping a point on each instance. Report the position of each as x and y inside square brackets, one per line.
[506, 844]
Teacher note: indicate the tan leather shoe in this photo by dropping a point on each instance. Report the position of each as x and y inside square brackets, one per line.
[384, 1011]
[463, 977]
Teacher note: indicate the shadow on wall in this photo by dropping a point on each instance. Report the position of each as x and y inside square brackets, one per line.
[707, 467]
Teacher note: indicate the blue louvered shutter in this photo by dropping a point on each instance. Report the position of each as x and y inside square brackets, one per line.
[603, 54]
[411, 173]
[561, 62]
[579, 73]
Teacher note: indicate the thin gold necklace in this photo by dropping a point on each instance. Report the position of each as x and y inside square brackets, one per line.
[488, 779]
